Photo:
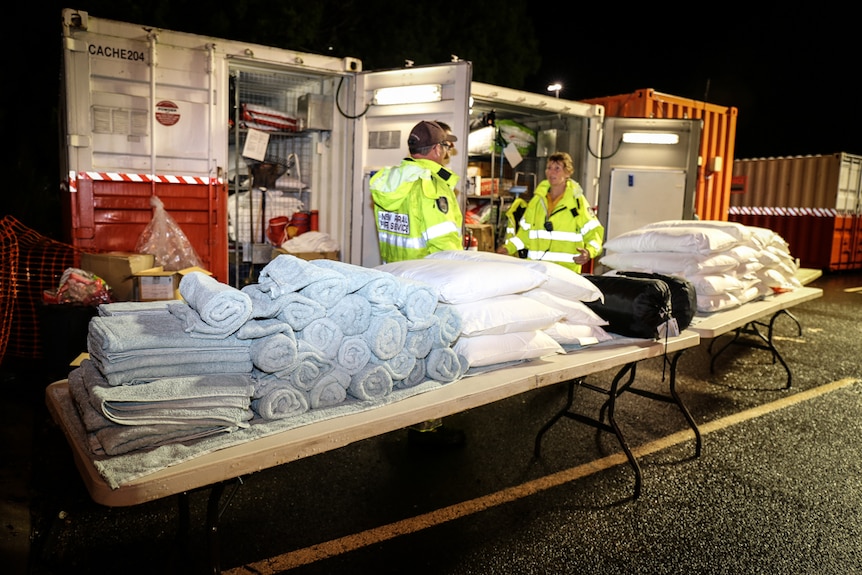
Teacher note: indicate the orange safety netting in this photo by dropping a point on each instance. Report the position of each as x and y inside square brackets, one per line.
[30, 263]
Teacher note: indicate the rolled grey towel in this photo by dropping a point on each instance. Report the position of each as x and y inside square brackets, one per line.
[281, 402]
[219, 309]
[352, 313]
[371, 383]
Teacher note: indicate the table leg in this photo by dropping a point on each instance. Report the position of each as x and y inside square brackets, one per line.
[752, 328]
[610, 427]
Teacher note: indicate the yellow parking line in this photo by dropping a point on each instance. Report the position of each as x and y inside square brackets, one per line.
[355, 541]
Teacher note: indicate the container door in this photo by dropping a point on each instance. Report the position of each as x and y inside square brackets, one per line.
[133, 130]
[388, 104]
[649, 172]
[640, 197]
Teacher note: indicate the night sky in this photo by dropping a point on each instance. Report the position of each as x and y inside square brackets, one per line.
[790, 71]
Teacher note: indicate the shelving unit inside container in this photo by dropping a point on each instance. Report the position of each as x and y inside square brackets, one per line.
[272, 106]
[492, 194]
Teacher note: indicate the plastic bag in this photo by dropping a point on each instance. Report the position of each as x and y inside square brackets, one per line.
[79, 287]
[165, 240]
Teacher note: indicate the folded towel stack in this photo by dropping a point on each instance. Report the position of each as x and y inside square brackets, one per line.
[121, 419]
[132, 348]
[309, 335]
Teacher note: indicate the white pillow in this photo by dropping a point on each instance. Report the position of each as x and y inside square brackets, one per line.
[716, 284]
[460, 281]
[575, 311]
[763, 236]
[740, 231]
[561, 280]
[566, 333]
[684, 239]
[710, 303]
[506, 314]
[670, 263]
[483, 350]
[570, 284]
[778, 281]
[744, 253]
[482, 256]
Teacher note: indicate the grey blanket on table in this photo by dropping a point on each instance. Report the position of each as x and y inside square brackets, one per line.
[120, 469]
[106, 437]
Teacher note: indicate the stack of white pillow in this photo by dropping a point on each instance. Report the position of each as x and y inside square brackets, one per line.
[511, 309]
[728, 263]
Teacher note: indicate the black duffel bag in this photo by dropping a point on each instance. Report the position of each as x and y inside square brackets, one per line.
[632, 306]
[683, 296]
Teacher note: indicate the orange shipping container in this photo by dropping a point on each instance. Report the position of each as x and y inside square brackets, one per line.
[712, 192]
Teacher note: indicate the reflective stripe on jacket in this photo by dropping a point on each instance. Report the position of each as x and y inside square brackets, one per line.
[557, 236]
[415, 210]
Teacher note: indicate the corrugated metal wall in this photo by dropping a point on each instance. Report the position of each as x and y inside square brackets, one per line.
[712, 194]
[814, 202]
[829, 181]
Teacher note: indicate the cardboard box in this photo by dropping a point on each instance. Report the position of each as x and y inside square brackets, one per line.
[494, 186]
[118, 270]
[307, 255]
[156, 284]
[484, 234]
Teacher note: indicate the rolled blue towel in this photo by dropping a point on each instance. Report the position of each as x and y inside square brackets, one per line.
[418, 302]
[420, 342]
[311, 365]
[324, 335]
[353, 355]
[275, 352]
[328, 291]
[384, 289]
[263, 305]
[444, 365]
[288, 274]
[373, 382]
[417, 376]
[299, 311]
[281, 402]
[355, 277]
[257, 328]
[400, 366]
[387, 334]
[449, 323]
[329, 389]
[352, 314]
[220, 309]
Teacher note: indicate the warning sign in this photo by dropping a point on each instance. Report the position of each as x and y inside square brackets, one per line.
[167, 113]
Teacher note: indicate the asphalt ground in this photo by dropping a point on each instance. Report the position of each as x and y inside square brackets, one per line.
[777, 488]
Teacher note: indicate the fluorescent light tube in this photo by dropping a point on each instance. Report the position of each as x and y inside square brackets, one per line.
[408, 94]
[650, 138]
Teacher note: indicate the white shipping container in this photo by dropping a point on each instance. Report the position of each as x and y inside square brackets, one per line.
[189, 119]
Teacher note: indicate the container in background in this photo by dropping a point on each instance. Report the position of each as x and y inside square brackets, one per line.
[718, 139]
